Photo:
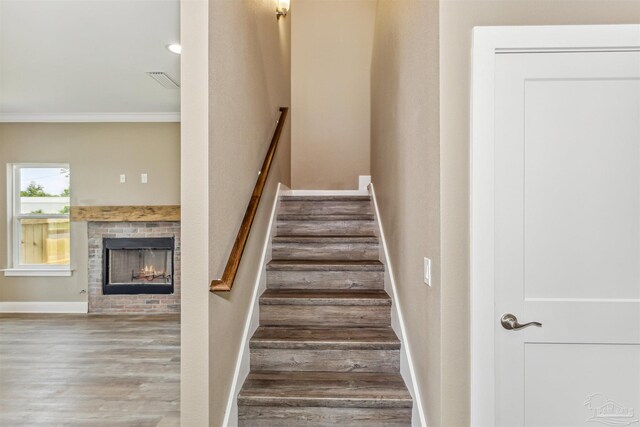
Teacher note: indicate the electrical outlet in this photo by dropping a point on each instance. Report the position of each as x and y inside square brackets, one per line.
[427, 271]
[143, 178]
[123, 178]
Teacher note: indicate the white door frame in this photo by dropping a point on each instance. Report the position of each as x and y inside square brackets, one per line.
[488, 42]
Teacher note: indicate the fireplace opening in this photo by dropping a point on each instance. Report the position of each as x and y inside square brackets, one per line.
[138, 265]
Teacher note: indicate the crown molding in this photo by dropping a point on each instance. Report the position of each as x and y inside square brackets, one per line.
[89, 117]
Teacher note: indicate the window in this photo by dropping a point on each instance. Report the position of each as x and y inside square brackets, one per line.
[40, 230]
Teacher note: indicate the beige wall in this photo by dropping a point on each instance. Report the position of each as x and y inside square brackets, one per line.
[422, 184]
[195, 277]
[97, 153]
[405, 167]
[405, 173]
[331, 59]
[249, 78]
[457, 18]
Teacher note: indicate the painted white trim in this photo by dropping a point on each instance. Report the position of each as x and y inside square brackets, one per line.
[89, 117]
[43, 307]
[38, 272]
[363, 182]
[568, 50]
[9, 217]
[409, 377]
[587, 300]
[13, 224]
[251, 321]
[487, 42]
[325, 193]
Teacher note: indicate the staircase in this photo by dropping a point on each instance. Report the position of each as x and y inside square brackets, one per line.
[325, 353]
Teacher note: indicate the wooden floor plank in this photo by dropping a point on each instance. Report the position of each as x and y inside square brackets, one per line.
[331, 389]
[89, 370]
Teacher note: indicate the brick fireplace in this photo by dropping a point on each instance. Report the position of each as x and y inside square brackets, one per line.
[149, 285]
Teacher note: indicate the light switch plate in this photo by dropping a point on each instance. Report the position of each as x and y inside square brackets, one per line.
[427, 271]
[143, 178]
[123, 178]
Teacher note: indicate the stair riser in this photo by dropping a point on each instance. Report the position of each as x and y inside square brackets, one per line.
[325, 251]
[325, 228]
[325, 360]
[367, 280]
[325, 315]
[262, 416]
[306, 207]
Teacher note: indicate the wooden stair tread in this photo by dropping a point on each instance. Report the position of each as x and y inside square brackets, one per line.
[325, 352]
[325, 217]
[331, 389]
[325, 338]
[327, 198]
[326, 239]
[324, 297]
[319, 265]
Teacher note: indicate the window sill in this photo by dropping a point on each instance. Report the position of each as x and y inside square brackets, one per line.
[37, 272]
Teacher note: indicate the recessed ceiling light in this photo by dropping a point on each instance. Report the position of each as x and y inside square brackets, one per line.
[175, 48]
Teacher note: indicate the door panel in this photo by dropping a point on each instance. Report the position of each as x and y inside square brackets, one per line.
[581, 210]
[567, 237]
[579, 376]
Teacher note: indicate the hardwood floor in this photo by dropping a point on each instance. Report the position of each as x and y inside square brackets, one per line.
[89, 370]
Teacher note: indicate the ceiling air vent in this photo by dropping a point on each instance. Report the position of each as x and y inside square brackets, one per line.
[162, 78]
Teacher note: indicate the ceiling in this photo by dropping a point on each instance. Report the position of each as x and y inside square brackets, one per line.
[87, 58]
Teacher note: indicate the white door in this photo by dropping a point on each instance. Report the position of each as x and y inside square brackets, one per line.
[567, 238]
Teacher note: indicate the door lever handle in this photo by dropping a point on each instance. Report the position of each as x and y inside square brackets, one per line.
[510, 322]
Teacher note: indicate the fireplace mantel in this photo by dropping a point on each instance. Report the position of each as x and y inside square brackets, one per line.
[125, 213]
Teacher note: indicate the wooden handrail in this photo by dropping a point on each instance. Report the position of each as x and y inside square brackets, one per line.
[226, 282]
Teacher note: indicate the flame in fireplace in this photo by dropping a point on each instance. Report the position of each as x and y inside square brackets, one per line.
[148, 272]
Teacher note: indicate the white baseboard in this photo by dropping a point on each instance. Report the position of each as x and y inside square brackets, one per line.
[252, 320]
[363, 182]
[407, 369]
[326, 193]
[43, 307]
